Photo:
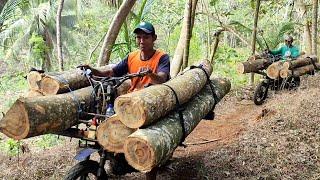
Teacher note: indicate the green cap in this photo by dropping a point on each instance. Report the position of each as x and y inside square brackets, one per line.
[145, 27]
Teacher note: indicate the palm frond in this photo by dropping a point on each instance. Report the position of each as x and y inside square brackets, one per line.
[8, 10]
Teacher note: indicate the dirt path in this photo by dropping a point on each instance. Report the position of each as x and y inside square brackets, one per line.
[232, 119]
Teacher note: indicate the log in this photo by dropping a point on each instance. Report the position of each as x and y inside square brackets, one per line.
[57, 83]
[151, 147]
[253, 66]
[30, 117]
[33, 79]
[112, 133]
[300, 62]
[285, 73]
[33, 93]
[143, 107]
[273, 71]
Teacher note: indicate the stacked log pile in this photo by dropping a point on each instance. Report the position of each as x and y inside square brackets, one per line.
[284, 69]
[146, 127]
[299, 67]
[253, 64]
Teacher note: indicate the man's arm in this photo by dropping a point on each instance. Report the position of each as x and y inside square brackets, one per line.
[163, 71]
[277, 51]
[295, 52]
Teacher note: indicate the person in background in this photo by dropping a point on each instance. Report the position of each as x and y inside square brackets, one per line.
[288, 50]
[147, 58]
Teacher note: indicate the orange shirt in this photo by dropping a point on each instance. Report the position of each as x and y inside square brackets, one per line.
[134, 65]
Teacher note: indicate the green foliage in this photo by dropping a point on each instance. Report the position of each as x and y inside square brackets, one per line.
[11, 85]
[47, 140]
[10, 147]
[226, 61]
[39, 49]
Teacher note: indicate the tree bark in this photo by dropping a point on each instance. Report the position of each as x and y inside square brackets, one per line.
[59, 43]
[253, 66]
[113, 31]
[285, 73]
[177, 59]
[215, 44]
[143, 107]
[299, 62]
[30, 117]
[273, 71]
[57, 83]
[188, 36]
[314, 27]
[151, 147]
[111, 134]
[33, 93]
[254, 35]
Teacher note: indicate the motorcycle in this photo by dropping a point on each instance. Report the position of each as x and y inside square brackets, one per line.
[101, 108]
[266, 83]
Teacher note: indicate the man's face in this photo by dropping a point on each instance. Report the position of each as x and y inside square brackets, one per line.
[288, 42]
[145, 41]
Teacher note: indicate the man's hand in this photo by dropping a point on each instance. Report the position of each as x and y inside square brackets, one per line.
[145, 70]
[84, 66]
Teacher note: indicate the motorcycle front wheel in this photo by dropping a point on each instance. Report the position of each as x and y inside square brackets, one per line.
[261, 92]
[85, 170]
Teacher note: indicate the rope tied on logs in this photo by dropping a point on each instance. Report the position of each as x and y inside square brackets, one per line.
[179, 109]
[214, 95]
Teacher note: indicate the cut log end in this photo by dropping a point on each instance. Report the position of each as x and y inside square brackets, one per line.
[33, 79]
[284, 73]
[139, 154]
[111, 134]
[15, 124]
[49, 86]
[273, 71]
[130, 111]
[240, 68]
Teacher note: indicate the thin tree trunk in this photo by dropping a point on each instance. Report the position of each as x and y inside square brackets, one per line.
[178, 53]
[314, 27]
[254, 35]
[307, 37]
[114, 31]
[59, 44]
[215, 45]
[188, 36]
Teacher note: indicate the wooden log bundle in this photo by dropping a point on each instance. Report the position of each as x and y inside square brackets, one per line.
[300, 62]
[62, 82]
[273, 71]
[143, 107]
[112, 133]
[253, 65]
[152, 146]
[30, 117]
[285, 73]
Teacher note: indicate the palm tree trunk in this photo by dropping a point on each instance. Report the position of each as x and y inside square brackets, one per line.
[314, 27]
[2, 3]
[113, 31]
[254, 35]
[59, 44]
